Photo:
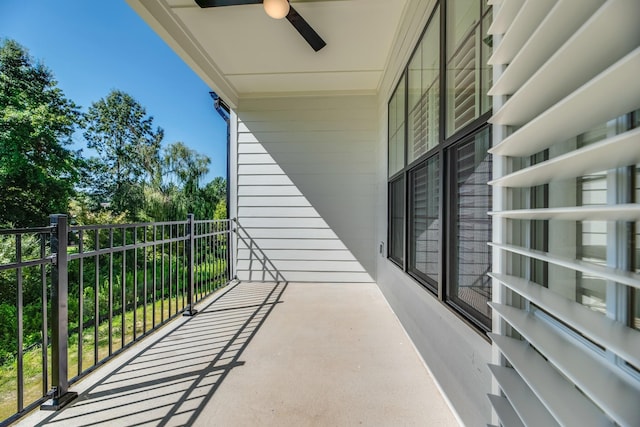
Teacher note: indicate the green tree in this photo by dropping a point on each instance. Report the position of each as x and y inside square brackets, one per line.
[184, 167]
[217, 189]
[37, 171]
[176, 190]
[221, 210]
[209, 198]
[128, 148]
[164, 203]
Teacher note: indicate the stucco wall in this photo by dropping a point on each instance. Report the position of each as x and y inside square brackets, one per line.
[306, 188]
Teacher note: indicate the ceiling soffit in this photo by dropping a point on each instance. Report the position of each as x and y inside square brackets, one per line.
[241, 52]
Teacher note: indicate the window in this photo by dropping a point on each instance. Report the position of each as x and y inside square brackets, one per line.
[634, 317]
[443, 224]
[424, 92]
[468, 76]
[470, 287]
[396, 226]
[424, 234]
[397, 129]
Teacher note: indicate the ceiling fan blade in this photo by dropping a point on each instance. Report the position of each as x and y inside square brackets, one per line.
[216, 3]
[305, 30]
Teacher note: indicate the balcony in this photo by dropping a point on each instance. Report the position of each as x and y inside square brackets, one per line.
[244, 353]
[266, 354]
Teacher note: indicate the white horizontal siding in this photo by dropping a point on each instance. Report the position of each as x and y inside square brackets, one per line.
[268, 190]
[265, 244]
[291, 233]
[267, 201]
[306, 265]
[349, 165]
[306, 193]
[279, 223]
[264, 180]
[307, 126]
[297, 138]
[304, 276]
[276, 212]
[251, 148]
[251, 169]
[255, 159]
[321, 155]
[306, 167]
[297, 255]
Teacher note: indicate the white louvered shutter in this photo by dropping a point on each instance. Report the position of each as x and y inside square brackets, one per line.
[565, 347]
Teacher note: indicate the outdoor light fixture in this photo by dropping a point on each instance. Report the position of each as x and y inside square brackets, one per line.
[277, 9]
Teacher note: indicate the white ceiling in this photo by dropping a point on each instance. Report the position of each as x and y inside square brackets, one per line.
[241, 52]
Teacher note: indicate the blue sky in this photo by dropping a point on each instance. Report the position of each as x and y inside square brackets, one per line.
[94, 46]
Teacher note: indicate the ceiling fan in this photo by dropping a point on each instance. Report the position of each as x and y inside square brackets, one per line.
[277, 9]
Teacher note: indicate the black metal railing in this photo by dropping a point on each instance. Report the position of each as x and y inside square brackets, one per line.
[71, 297]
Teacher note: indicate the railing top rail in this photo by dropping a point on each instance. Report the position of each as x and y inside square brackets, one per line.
[121, 226]
[128, 247]
[34, 230]
[49, 229]
[211, 221]
[211, 234]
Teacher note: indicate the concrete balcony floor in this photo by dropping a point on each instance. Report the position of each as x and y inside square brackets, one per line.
[266, 354]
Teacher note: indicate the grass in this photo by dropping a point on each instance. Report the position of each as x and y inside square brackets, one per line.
[32, 359]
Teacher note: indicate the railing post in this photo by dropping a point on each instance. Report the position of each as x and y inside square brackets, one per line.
[231, 270]
[61, 395]
[190, 311]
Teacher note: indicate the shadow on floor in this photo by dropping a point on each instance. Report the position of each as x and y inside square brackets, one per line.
[171, 381]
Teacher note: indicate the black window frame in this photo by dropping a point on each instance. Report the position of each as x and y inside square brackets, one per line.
[443, 150]
[398, 260]
[477, 318]
[429, 283]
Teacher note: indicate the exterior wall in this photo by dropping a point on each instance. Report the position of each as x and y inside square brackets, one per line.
[306, 188]
[311, 206]
[456, 355]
